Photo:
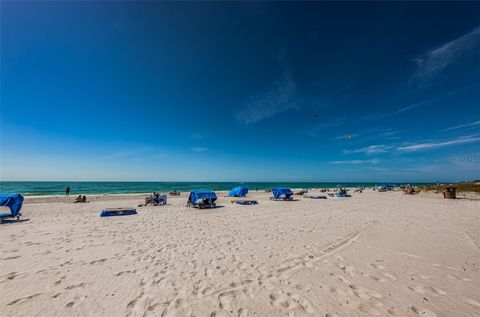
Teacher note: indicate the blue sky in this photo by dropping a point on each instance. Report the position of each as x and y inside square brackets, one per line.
[240, 91]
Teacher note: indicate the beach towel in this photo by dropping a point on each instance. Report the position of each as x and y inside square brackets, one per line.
[111, 212]
[317, 197]
[246, 202]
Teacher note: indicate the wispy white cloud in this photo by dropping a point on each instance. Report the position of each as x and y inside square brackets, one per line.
[439, 144]
[384, 115]
[316, 129]
[196, 136]
[198, 149]
[462, 126]
[372, 161]
[138, 153]
[372, 133]
[435, 99]
[371, 149]
[278, 99]
[127, 152]
[161, 155]
[388, 134]
[436, 60]
[116, 155]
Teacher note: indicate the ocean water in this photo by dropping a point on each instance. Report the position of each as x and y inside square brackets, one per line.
[58, 188]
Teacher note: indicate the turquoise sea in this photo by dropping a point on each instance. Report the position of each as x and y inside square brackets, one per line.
[58, 188]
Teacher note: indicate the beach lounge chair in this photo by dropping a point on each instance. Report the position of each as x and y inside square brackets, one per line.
[282, 194]
[14, 202]
[155, 199]
[384, 188]
[240, 191]
[111, 212]
[301, 192]
[158, 199]
[202, 199]
[244, 202]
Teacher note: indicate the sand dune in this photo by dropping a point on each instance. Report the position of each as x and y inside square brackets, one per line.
[375, 254]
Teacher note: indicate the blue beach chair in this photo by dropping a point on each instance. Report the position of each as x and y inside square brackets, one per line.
[12, 201]
[240, 191]
[282, 194]
[202, 199]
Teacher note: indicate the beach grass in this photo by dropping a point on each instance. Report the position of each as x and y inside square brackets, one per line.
[461, 187]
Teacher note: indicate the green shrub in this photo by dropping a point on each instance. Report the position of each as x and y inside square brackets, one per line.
[461, 187]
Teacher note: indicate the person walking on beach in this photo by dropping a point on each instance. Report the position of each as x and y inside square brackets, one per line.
[67, 191]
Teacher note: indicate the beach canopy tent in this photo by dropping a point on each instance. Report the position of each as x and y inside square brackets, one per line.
[206, 197]
[12, 201]
[240, 191]
[281, 193]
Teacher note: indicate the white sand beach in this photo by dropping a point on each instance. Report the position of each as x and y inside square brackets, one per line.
[374, 254]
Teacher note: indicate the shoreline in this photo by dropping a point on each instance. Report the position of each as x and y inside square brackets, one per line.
[45, 188]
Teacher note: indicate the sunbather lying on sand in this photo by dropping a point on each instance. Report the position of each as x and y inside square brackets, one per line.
[80, 199]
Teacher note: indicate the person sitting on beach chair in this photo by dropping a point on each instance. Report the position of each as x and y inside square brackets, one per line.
[409, 190]
[155, 199]
[148, 200]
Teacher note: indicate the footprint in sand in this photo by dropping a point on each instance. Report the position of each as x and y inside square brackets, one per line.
[178, 307]
[219, 313]
[377, 279]
[12, 257]
[390, 276]
[424, 312]
[471, 302]
[438, 291]
[290, 302]
[23, 299]
[364, 293]
[418, 288]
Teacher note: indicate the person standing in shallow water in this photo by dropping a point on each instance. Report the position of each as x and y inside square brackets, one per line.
[67, 191]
